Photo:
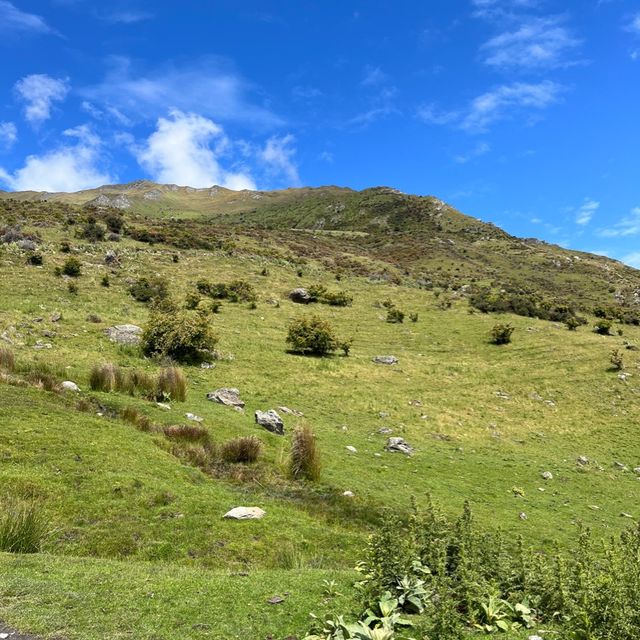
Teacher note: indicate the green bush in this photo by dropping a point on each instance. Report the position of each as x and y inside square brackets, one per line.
[71, 267]
[92, 231]
[603, 327]
[235, 291]
[148, 289]
[319, 293]
[312, 335]
[184, 336]
[617, 360]
[501, 333]
[35, 259]
[395, 316]
[22, 527]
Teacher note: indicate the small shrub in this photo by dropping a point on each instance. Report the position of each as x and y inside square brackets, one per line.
[183, 336]
[192, 300]
[105, 377]
[603, 327]
[175, 258]
[94, 317]
[572, 323]
[65, 247]
[346, 347]
[304, 461]
[22, 527]
[501, 333]
[172, 384]
[35, 259]
[71, 267]
[92, 231]
[104, 282]
[264, 272]
[413, 317]
[616, 359]
[312, 335]
[395, 316]
[72, 288]
[42, 378]
[137, 419]
[7, 359]
[148, 289]
[241, 450]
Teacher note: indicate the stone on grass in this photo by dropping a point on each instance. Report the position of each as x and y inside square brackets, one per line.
[399, 445]
[56, 316]
[348, 494]
[636, 470]
[271, 421]
[291, 412]
[300, 295]
[245, 513]
[111, 258]
[547, 475]
[193, 417]
[582, 460]
[522, 515]
[124, 333]
[228, 396]
[385, 360]
[351, 449]
[68, 385]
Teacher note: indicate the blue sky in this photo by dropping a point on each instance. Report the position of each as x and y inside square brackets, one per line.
[520, 112]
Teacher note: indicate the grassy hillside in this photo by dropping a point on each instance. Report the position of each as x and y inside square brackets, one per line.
[128, 518]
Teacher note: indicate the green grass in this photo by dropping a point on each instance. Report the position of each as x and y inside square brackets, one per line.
[119, 504]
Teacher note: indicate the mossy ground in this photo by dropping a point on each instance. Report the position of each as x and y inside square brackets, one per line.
[485, 422]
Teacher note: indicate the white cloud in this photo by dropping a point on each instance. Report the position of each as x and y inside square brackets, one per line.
[501, 8]
[278, 155]
[430, 114]
[501, 101]
[127, 17]
[634, 25]
[632, 259]
[209, 86]
[481, 149]
[13, 19]
[586, 211]
[179, 151]
[628, 226]
[71, 167]
[8, 134]
[536, 43]
[39, 91]
[374, 76]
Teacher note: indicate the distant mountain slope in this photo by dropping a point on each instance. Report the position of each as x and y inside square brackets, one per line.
[420, 237]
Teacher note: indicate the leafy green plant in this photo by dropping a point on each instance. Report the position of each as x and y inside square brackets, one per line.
[312, 335]
[71, 267]
[395, 316]
[603, 327]
[501, 333]
[617, 360]
[22, 527]
[148, 289]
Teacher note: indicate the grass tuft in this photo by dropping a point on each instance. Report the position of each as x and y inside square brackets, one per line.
[7, 360]
[172, 384]
[22, 527]
[305, 456]
[243, 450]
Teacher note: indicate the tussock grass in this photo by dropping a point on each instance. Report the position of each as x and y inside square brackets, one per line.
[304, 461]
[241, 450]
[22, 527]
[172, 384]
[7, 360]
[105, 377]
[187, 432]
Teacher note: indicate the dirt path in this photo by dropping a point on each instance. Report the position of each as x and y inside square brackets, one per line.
[7, 633]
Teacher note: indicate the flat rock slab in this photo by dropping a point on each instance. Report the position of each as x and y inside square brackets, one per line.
[124, 333]
[399, 445]
[227, 396]
[271, 421]
[245, 513]
[385, 360]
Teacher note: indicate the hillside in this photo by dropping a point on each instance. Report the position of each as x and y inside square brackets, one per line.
[136, 545]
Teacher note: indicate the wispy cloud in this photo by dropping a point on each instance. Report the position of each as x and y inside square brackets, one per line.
[374, 76]
[186, 149]
[210, 86]
[278, 156]
[126, 17]
[632, 259]
[39, 92]
[586, 211]
[634, 24]
[537, 43]
[628, 226]
[8, 134]
[501, 8]
[13, 20]
[70, 167]
[481, 149]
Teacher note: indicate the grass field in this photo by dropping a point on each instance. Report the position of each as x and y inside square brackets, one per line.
[137, 546]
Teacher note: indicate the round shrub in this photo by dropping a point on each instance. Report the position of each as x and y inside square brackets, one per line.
[147, 289]
[603, 327]
[312, 335]
[71, 267]
[184, 336]
[501, 333]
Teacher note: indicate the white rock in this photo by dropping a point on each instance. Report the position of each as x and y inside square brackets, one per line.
[67, 385]
[348, 494]
[193, 416]
[245, 513]
[164, 406]
[547, 475]
[351, 448]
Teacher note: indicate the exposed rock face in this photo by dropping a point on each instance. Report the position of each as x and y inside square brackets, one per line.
[227, 396]
[300, 295]
[399, 445]
[385, 360]
[245, 513]
[154, 194]
[271, 421]
[124, 333]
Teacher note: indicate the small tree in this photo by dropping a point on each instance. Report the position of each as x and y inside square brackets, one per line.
[603, 327]
[147, 289]
[501, 333]
[312, 335]
[72, 267]
[616, 359]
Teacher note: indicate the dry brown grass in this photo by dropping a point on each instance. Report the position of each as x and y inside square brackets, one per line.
[304, 461]
[172, 384]
[7, 360]
[241, 450]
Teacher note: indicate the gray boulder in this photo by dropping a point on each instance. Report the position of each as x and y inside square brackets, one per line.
[300, 295]
[271, 421]
[111, 258]
[385, 360]
[245, 513]
[67, 385]
[547, 475]
[227, 396]
[124, 333]
[399, 445]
